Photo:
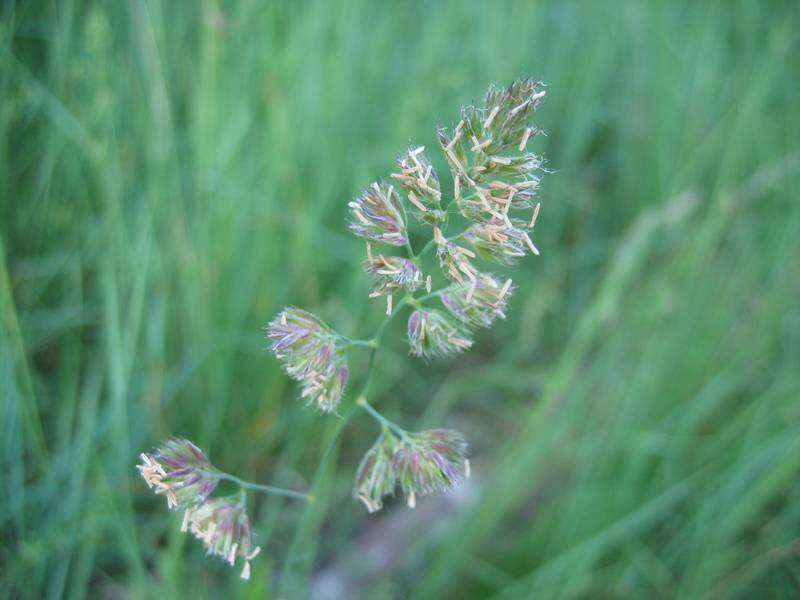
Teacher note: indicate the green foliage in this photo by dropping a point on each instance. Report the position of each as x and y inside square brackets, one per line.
[172, 173]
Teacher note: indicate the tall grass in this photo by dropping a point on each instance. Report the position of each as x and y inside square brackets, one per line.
[171, 173]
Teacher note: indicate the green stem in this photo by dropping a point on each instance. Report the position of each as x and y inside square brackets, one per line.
[426, 248]
[407, 299]
[311, 516]
[365, 343]
[427, 297]
[267, 489]
[410, 250]
[370, 370]
[455, 237]
[362, 402]
[431, 243]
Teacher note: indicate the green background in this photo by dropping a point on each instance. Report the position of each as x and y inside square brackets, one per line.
[172, 173]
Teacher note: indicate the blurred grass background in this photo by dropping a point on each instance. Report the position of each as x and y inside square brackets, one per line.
[172, 173]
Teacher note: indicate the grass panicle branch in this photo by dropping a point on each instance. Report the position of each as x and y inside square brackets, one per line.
[490, 182]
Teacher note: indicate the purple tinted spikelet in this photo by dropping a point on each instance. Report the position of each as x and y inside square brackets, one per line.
[454, 260]
[392, 273]
[499, 198]
[421, 184]
[375, 477]
[311, 354]
[480, 305]
[489, 143]
[494, 175]
[223, 526]
[507, 112]
[377, 215]
[432, 334]
[428, 462]
[181, 472]
[500, 240]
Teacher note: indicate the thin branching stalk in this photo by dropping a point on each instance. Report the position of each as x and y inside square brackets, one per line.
[266, 489]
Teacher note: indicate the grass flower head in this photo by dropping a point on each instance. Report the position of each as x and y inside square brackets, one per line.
[390, 274]
[494, 177]
[312, 354]
[180, 471]
[421, 183]
[377, 215]
[432, 334]
[375, 477]
[428, 462]
[223, 526]
[481, 304]
[500, 241]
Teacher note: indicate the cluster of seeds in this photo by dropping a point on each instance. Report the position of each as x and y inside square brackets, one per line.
[377, 215]
[421, 185]
[180, 471]
[480, 304]
[422, 463]
[312, 354]
[493, 173]
[392, 273]
[432, 334]
[223, 526]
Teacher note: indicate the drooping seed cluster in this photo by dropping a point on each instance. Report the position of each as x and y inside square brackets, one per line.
[312, 354]
[375, 477]
[180, 471]
[223, 526]
[422, 463]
